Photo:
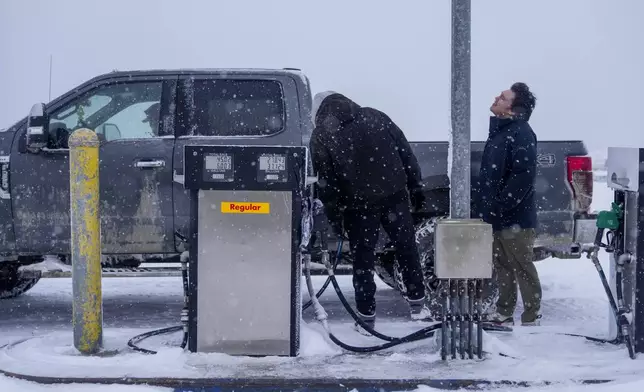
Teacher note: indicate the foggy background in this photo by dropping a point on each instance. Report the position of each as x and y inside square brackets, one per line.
[582, 58]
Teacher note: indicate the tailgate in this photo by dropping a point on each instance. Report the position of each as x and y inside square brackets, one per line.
[563, 190]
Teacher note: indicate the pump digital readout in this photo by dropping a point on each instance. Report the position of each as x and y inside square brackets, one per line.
[272, 168]
[218, 167]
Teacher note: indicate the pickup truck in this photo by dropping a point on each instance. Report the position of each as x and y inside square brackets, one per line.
[145, 118]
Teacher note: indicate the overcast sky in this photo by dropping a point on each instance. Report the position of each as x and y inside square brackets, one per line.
[582, 58]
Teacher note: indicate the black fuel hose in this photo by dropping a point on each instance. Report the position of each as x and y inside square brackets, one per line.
[616, 304]
[132, 342]
[350, 310]
[321, 316]
[326, 282]
[418, 335]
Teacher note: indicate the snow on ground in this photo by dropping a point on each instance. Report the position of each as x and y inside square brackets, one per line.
[573, 302]
[13, 385]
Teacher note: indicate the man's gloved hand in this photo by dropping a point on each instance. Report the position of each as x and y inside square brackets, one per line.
[417, 199]
[334, 216]
[338, 228]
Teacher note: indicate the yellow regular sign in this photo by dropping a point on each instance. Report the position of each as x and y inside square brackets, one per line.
[235, 207]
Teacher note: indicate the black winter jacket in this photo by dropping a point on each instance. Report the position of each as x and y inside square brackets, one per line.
[506, 196]
[359, 155]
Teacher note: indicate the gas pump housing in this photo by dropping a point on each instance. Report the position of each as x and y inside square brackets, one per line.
[625, 175]
[244, 270]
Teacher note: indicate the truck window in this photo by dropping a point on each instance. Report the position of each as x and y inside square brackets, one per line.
[232, 107]
[128, 110]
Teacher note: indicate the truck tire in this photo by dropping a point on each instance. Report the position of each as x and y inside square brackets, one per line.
[15, 282]
[387, 269]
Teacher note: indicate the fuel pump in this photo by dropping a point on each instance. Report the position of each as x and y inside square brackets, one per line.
[622, 228]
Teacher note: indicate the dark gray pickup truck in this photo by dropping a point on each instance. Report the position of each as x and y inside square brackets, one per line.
[145, 118]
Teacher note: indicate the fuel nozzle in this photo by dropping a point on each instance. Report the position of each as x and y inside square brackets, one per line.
[608, 220]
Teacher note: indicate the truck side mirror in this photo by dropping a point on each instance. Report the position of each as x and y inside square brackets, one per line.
[37, 127]
[111, 132]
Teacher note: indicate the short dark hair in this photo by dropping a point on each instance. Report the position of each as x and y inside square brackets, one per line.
[524, 99]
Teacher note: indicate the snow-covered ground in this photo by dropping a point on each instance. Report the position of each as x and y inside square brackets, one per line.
[573, 302]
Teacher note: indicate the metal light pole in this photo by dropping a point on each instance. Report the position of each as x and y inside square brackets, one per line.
[461, 290]
[460, 142]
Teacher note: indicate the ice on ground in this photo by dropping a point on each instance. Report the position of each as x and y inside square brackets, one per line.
[628, 386]
[573, 302]
[13, 385]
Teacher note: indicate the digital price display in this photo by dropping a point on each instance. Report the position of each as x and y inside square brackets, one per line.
[218, 167]
[272, 168]
[272, 163]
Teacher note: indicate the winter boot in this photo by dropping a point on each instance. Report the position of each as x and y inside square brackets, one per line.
[370, 320]
[499, 319]
[533, 323]
[419, 310]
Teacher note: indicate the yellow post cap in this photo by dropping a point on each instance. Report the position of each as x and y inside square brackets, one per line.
[83, 137]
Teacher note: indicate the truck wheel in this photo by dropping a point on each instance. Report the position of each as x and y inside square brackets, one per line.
[388, 270]
[14, 282]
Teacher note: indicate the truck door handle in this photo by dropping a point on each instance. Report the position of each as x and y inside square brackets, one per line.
[150, 163]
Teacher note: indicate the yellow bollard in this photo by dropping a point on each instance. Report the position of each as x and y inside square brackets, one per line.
[85, 241]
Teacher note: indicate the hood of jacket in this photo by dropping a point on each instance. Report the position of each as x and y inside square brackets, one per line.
[332, 110]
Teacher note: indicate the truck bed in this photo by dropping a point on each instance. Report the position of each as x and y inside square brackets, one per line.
[554, 193]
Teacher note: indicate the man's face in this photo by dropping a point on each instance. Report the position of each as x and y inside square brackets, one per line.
[502, 106]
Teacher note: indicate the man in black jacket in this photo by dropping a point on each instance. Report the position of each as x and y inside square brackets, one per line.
[507, 201]
[368, 176]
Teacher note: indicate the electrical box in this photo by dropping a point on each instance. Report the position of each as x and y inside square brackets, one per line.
[463, 249]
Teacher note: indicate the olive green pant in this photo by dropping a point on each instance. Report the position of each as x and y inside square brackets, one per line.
[513, 261]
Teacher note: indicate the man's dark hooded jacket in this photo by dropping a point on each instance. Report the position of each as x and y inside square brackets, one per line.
[360, 156]
[506, 196]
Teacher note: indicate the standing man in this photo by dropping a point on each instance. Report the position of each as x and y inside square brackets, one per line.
[507, 202]
[368, 176]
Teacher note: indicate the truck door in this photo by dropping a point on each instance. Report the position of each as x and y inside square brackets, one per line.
[7, 240]
[133, 118]
[232, 108]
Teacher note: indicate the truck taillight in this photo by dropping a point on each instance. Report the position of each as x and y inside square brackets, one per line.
[580, 177]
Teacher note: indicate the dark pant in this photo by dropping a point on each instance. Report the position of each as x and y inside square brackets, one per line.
[363, 225]
[513, 260]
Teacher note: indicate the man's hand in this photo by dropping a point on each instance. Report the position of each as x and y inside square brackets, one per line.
[334, 216]
[417, 199]
[338, 228]
[336, 225]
